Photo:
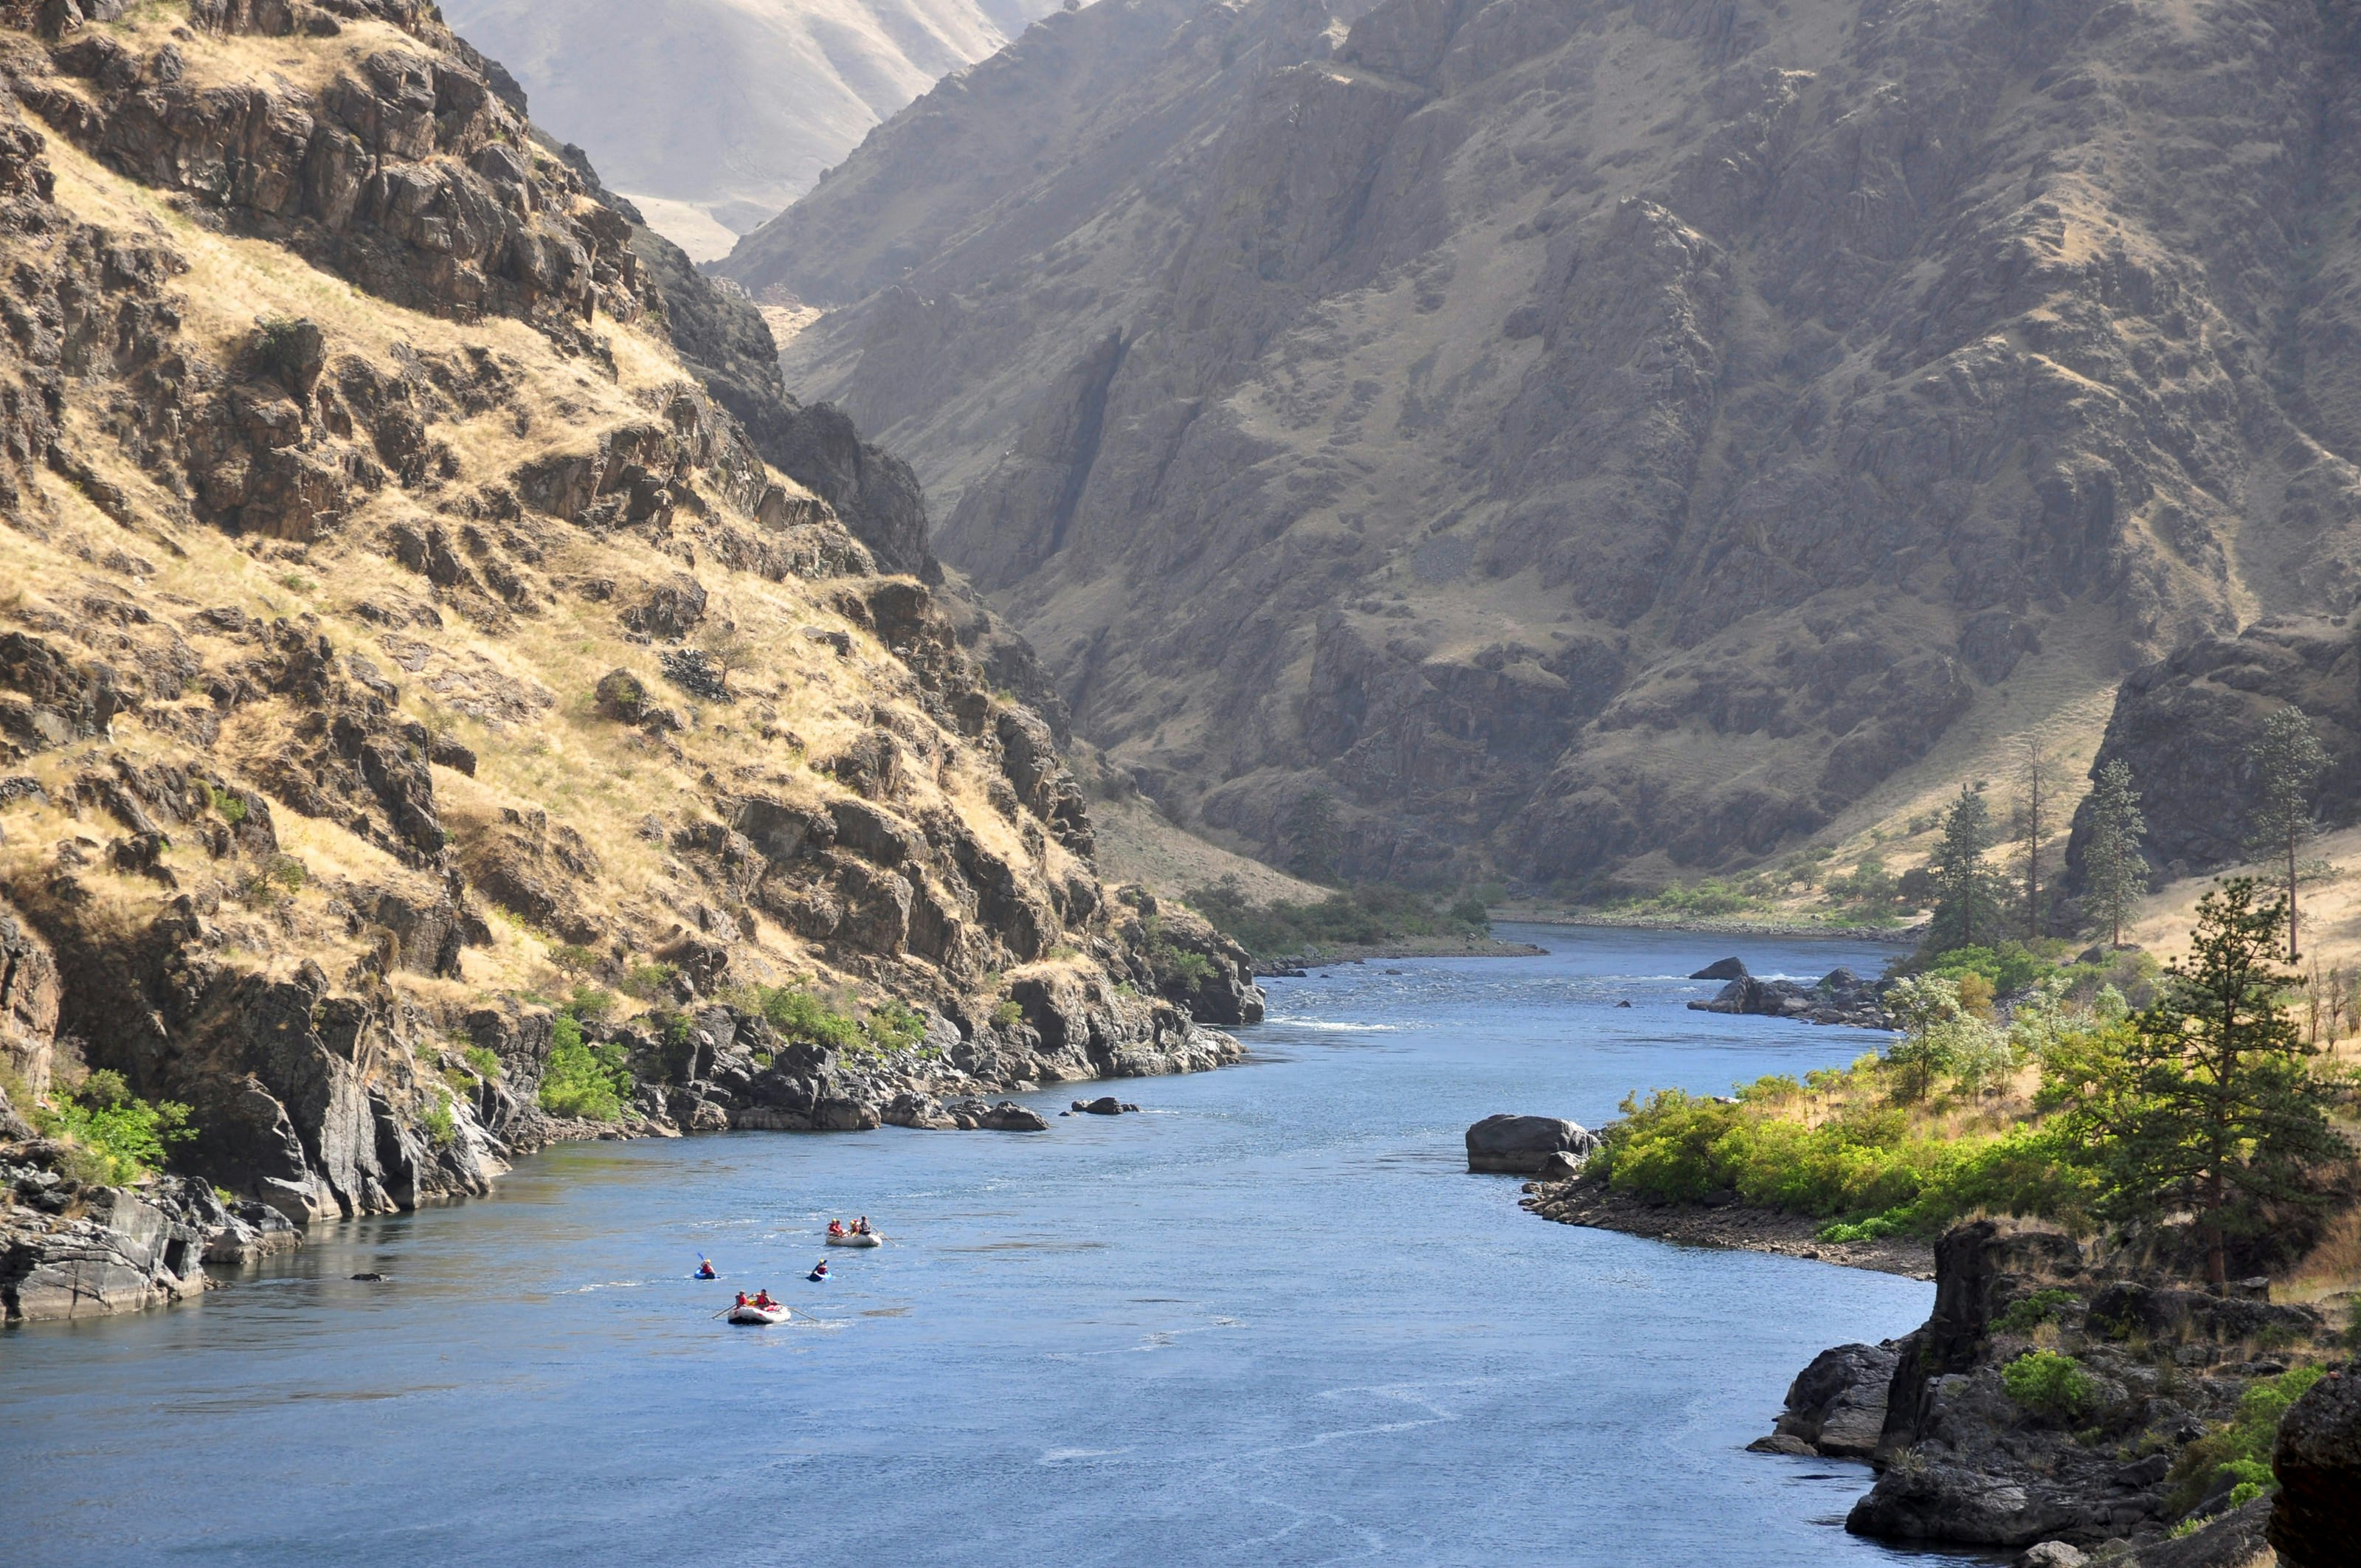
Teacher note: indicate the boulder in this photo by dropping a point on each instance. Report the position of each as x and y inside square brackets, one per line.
[1722, 969]
[1007, 1116]
[1104, 1105]
[1518, 1145]
[2053, 1554]
[1837, 1405]
[1559, 1167]
[2318, 1462]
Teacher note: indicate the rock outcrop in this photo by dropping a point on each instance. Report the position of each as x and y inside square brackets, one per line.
[1519, 1146]
[1558, 433]
[2186, 727]
[1836, 1406]
[2318, 1462]
[1964, 1458]
[1839, 996]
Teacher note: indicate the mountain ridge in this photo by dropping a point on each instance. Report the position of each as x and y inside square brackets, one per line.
[1573, 436]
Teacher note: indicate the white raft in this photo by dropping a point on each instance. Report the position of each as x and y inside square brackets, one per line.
[750, 1313]
[857, 1238]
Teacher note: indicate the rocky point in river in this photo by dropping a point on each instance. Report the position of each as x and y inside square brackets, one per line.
[1567, 432]
[1960, 1458]
[423, 600]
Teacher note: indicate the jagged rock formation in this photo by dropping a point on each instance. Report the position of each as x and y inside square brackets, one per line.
[1959, 1460]
[397, 632]
[1565, 430]
[2186, 727]
[729, 109]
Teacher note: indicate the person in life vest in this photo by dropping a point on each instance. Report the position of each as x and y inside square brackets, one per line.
[820, 1271]
[762, 1298]
[861, 1226]
[704, 1268]
[836, 1227]
[742, 1297]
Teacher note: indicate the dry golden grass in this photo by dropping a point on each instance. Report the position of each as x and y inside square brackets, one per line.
[798, 700]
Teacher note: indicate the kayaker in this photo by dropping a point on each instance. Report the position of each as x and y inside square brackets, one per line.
[705, 1269]
[820, 1271]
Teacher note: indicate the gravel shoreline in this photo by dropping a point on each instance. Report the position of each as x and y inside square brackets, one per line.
[1589, 1202]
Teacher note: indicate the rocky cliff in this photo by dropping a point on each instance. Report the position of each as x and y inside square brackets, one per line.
[398, 630]
[1561, 431]
[2113, 1459]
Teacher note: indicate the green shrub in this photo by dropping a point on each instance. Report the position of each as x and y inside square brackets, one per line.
[1865, 1166]
[2240, 1451]
[798, 1015]
[2030, 1313]
[590, 1004]
[486, 1064]
[231, 808]
[646, 982]
[1007, 1013]
[582, 1080]
[572, 957]
[891, 1026]
[442, 1127]
[2007, 968]
[2049, 1384]
[120, 1137]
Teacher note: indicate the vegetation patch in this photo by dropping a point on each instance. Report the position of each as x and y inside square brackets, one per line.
[119, 1137]
[1368, 915]
[582, 1080]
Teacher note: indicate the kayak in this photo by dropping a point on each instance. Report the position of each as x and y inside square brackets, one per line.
[749, 1313]
[863, 1238]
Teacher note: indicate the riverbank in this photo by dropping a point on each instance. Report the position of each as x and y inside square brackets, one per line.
[1451, 946]
[1589, 1202]
[1718, 925]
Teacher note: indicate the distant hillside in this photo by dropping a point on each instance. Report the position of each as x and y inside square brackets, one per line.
[1574, 433]
[712, 114]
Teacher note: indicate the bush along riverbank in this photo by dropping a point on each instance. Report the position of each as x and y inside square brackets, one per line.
[2140, 1213]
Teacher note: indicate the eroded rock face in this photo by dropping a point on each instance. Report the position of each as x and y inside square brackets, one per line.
[2186, 726]
[1548, 490]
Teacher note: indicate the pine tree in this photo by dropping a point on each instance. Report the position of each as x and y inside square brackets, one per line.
[2217, 1112]
[2033, 804]
[2289, 759]
[2115, 874]
[1967, 899]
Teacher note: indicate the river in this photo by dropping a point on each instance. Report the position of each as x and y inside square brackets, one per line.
[1271, 1319]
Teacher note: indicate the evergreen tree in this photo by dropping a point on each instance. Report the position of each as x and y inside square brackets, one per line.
[2215, 1111]
[1967, 891]
[2289, 759]
[2033, 811]
[2115, 874]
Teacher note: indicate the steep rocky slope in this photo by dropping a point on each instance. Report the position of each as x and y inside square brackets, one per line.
[396, 633]
[715, 114]
[1564, 431]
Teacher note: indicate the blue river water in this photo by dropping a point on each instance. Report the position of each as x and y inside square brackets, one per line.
[1272, 1320]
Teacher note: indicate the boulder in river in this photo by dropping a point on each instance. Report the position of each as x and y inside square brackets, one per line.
[1104, 1105]
[1837, 1405]
[1520, 1145]
[1722, 969]
[972, 1115]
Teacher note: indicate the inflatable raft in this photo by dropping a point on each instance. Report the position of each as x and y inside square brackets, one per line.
[750, 1313]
